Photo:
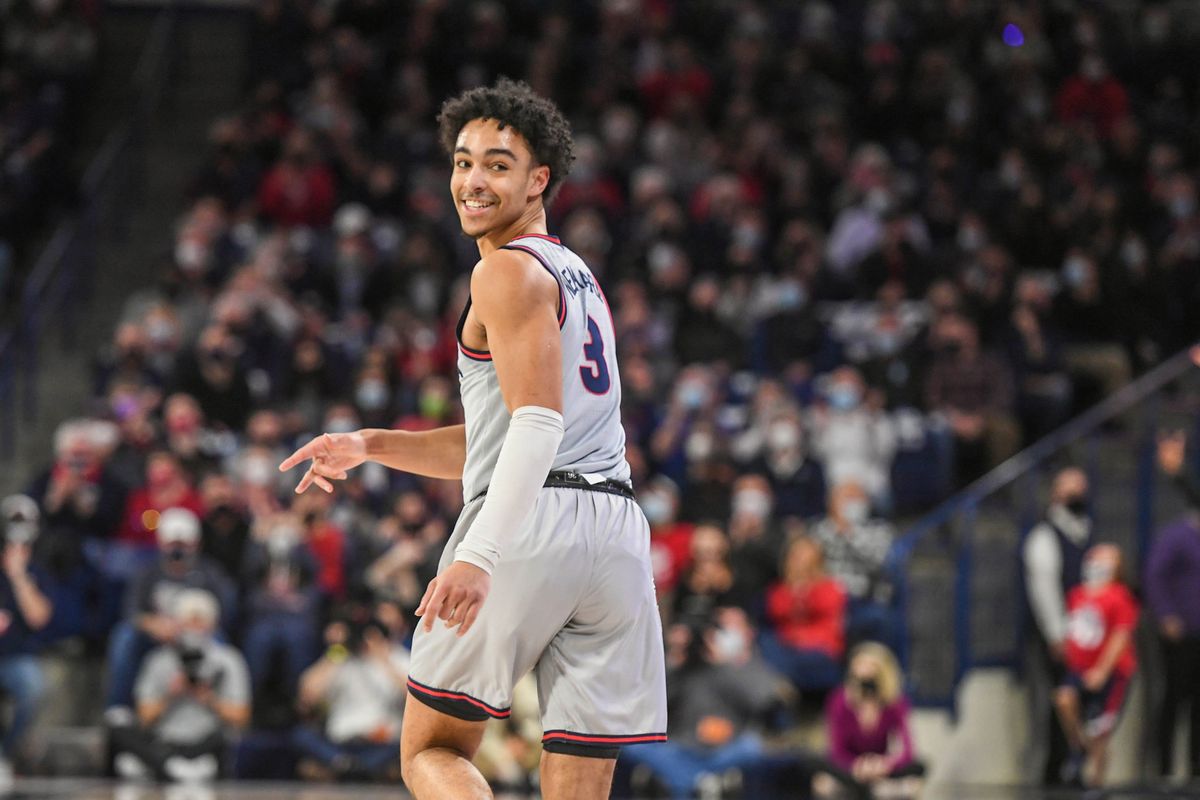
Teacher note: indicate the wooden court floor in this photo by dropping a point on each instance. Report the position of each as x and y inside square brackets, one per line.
[61, 789]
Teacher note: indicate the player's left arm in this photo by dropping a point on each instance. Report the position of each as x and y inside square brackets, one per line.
[516, 302]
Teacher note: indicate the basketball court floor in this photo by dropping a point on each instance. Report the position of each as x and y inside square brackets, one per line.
[103, 790]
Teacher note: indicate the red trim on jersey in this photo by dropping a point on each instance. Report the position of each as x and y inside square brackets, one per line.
[474, 355]
[492, 711]
[591, 738]
[562, 296]
[554, 239]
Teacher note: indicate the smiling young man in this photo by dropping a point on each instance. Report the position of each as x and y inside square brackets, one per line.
[548, 567]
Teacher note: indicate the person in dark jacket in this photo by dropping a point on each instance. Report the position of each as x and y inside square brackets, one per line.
[1052, 559]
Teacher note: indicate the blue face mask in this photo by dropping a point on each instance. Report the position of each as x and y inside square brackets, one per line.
[844, 398]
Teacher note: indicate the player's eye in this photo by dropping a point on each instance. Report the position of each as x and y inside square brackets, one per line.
[462, 164]
[499, 167]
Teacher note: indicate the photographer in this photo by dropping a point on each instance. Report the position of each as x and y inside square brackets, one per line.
[24, 610]
[360, 683]
[150, 597]
[191, 696]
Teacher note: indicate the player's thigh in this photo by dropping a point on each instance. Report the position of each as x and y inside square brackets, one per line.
[567, 777]
[426, 728]
[534, 589]
[601, 680]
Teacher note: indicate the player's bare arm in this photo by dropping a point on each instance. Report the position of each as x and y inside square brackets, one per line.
[515, 310]
[438, 453]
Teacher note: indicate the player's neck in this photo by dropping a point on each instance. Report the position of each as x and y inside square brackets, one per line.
[532, 221]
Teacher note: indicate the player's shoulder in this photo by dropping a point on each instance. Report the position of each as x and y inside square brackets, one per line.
[511, 276]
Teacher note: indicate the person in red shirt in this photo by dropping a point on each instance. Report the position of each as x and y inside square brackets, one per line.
[1100, 662]
[166, 486]
[807, 614]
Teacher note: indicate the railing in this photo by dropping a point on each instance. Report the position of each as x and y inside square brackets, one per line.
[60, 280]
[958, 567]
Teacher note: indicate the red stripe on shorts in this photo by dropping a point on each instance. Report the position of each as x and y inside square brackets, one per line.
[591, 738]
[466, 698]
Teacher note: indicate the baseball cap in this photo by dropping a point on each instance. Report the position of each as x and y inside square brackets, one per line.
[178, 525]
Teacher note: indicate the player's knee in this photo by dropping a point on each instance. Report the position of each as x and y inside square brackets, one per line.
[1064, 698]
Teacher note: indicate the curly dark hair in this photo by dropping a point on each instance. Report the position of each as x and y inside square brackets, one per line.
[514, 103]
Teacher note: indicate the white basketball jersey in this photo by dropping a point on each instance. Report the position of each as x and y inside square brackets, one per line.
[593, 439]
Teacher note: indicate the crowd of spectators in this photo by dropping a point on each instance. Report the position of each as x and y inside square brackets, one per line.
[838, 238]
[47, 61]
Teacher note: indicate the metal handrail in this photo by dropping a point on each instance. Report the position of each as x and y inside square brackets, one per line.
[1033, 456]
[68, 257]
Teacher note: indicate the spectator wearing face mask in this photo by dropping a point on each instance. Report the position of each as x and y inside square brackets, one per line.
[25, 609]
[853, 437]
[373, 396]
[148, 618]
[166, 486]
[867, 720]
[677, 442]
[754, 541]
[193, 695]
[281, 606]
[213, 374]
[856, 546]
[226, 523]
[721, 698]
[79, 498]
[708, 582]
[670, 538]
[1086, 312]
[358, 689]
[974, 391]
[1100, 661]
[187, 436]
[1052, 563]
[806, 612]
[797, 480]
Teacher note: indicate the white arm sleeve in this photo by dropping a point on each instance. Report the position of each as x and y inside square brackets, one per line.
[1043, 566]
[526, 456]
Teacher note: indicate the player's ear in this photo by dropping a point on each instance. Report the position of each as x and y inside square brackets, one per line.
[539, 179]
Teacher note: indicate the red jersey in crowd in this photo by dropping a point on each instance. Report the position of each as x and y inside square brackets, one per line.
[1093, 617]
[811, 617]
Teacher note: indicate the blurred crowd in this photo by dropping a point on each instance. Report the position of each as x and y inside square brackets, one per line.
[858, 253]
[47, 60]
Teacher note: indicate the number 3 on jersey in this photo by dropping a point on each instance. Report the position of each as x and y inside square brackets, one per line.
[595, 377]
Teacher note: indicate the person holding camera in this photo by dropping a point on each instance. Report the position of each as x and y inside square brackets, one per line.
[360, 685]
[148, 619]
[192, 695]
[24, 610]
[868, 726]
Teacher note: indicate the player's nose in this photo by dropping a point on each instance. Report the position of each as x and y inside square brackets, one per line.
[476, 180]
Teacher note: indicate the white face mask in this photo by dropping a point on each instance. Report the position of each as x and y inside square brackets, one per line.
[728, 645]
[1098, 573]
[752, 503]
[656, 508]
[856, 510]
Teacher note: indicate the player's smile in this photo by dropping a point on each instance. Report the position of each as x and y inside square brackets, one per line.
[476, 206]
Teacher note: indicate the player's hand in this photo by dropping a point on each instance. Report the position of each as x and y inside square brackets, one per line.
[455, 596]
[332, 455]
[1094, 679]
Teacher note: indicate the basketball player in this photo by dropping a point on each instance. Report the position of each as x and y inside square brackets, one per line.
[548, 567]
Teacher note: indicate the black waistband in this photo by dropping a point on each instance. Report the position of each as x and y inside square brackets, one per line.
[575, 480]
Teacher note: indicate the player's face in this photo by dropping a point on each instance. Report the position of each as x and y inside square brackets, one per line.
[495, 180]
